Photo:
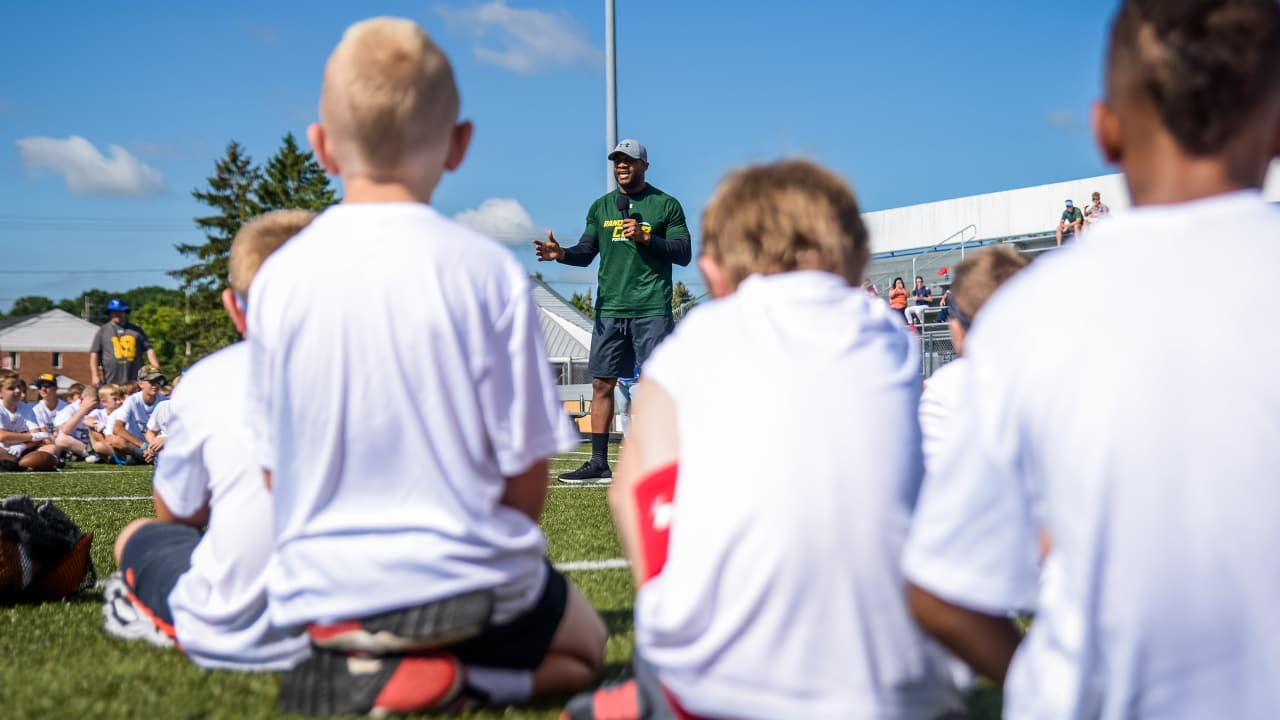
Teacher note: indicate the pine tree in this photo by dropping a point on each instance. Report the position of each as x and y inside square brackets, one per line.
[231, 195]
[292, 179]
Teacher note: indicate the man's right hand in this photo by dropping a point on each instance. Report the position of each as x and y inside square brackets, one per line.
[549, 250]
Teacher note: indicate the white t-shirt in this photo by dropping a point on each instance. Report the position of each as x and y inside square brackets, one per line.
[1147, 450]
[938, 404]
[158, 423]
[45, 417]
[18, 421]
[799, 465]
[68, 411]
[135, 413]
[407, 377]
[220, 605]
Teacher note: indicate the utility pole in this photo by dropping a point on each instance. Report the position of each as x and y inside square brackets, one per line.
[86, 307]
[611, 89]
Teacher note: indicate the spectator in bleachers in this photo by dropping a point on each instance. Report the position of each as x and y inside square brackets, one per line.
[1151, 472]
[870, 288]
[1096, 211]
[976, 280]
[1070, 223]
[741, 612]
[921, 298]
[944, 306]
[898, 295]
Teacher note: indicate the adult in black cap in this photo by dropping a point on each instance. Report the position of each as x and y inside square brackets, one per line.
[639, 233]
[115, 355]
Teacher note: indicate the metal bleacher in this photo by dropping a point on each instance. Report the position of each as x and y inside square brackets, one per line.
[933, 263]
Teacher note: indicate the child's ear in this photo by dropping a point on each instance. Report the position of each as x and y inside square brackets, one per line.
[1106, 132]
[459, 141]
[319, 140]
[233, 309]
[717, 280]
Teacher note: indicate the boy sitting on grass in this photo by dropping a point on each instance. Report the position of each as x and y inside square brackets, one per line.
[129, 421]
[208, 591]
[73, 424]
[1151, 472]
[24, 445]
[769, 580]
[409, 419]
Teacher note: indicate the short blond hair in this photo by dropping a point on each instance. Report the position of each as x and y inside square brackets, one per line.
[978, 277]
[388, 93]
[109, 390]
[257, 239]
[788, 215]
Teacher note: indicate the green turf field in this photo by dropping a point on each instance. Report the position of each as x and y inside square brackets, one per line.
[56, 662]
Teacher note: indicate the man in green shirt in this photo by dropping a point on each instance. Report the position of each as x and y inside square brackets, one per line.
[639, 233]
[1071, 222]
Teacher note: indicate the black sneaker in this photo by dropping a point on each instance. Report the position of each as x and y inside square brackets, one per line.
[413, 629]
[592, 471]
[329, 683]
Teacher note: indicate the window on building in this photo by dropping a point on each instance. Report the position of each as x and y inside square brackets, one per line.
[13, 360]
[57, 361]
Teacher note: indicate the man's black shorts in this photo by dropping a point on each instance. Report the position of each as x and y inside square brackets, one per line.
[154, 558]
[619, 344]
[521, 644]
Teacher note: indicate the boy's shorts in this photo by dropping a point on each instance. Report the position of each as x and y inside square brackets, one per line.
[133, 456]
[153, 560]
[618, 344]
[521, 644]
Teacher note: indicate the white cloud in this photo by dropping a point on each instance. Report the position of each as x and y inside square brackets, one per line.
[1066, 120]
[503, 219]
[528, 41]
[87, 171]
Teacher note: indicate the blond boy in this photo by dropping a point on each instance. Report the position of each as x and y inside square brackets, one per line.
[760, 598]
[74, 422]
[975, 280]
[407, 505]
[206, 591]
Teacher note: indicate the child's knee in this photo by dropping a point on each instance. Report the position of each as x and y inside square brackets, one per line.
[582, 632]
[123, 538]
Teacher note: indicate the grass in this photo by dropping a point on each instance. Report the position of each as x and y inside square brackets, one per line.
[56, 662]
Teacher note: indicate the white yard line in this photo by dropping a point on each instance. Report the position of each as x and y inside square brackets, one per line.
[593, 565]
[135, 498]
[117, 498]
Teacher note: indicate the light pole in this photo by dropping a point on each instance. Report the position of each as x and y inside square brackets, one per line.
[611, 89]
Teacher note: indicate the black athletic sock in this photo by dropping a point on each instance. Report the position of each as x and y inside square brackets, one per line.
[600, 448]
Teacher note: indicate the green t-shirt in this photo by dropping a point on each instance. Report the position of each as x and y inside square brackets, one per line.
[1072, 215]
[634, 281]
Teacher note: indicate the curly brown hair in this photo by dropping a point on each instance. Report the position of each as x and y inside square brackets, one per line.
[1206, 65]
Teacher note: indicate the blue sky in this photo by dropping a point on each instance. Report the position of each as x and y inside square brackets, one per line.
[912, 101]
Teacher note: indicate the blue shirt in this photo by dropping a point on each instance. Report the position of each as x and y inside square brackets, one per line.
[920, 294]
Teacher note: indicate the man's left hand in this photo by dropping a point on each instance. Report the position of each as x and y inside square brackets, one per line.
[632, 230]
